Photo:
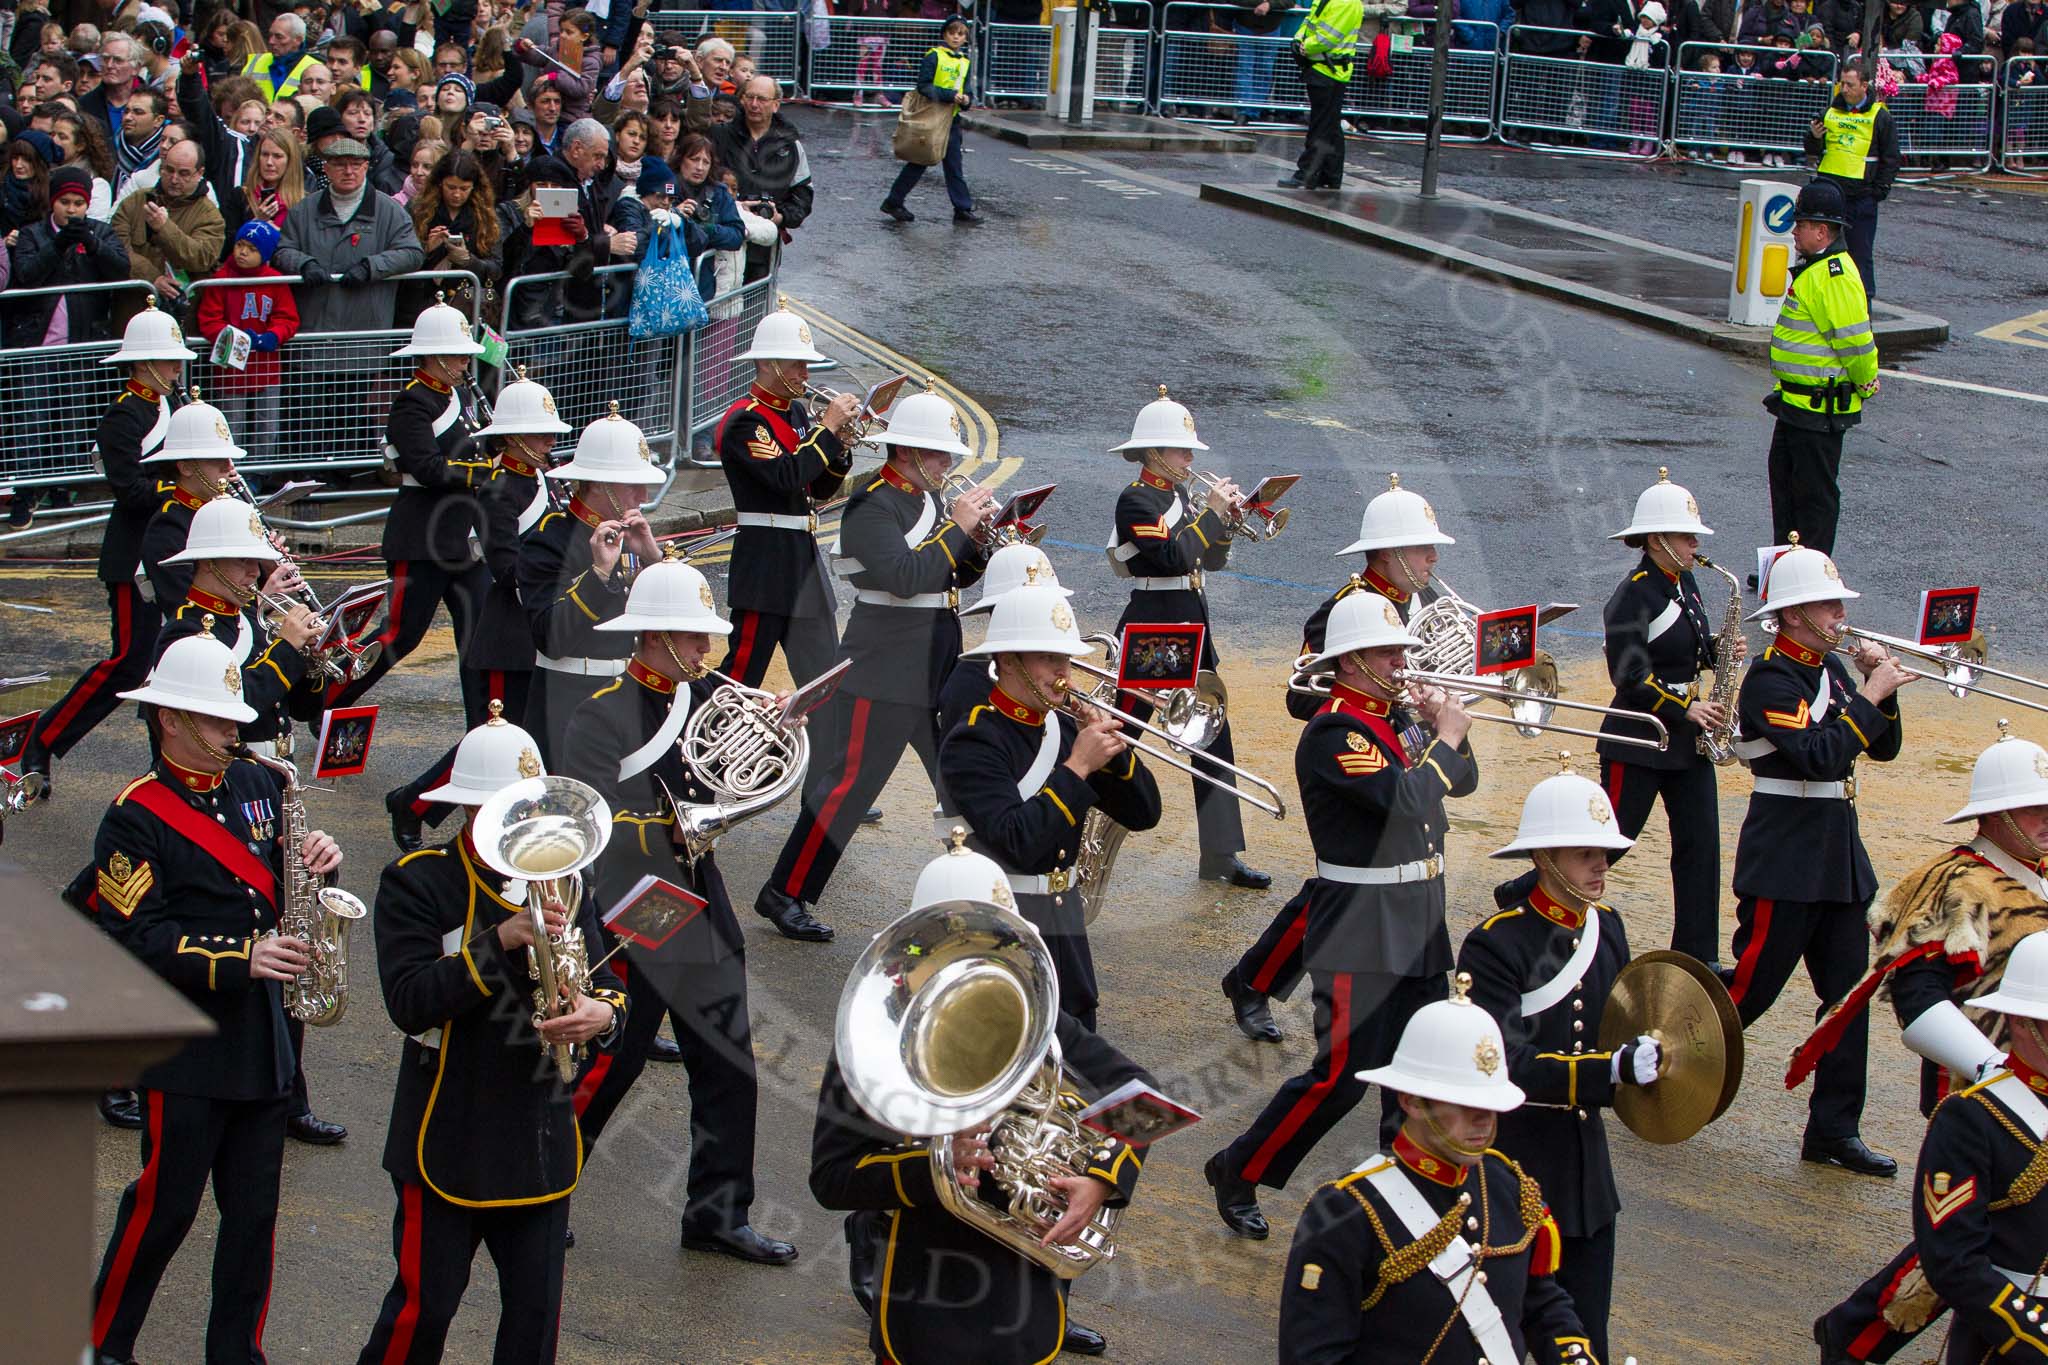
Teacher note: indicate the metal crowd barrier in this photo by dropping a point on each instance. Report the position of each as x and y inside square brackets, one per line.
[712, 379]
[1943, 129]
[55, 395]
[2023, 116]
[1714, 115]
[768, 36]
[863, 57]
[587, 366]
[1016, 61]
[1576, 106]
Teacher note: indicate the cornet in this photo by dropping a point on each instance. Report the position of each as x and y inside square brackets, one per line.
[1530, 707]
[863, 420]
[1244, 519]
[1960, 664]
[343, 660]
[990, 537]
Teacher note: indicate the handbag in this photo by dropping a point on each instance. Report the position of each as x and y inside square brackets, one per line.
[922, 129]
[665, 298]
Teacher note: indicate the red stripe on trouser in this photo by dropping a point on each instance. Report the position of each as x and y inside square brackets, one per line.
[268, 1281]
[1340, 1048]
[124, 640]
[494, 685]
[855, 742]
[1262, 980]
[1617, 773]
[419, 805]
[744, 649]
[394, 612]
[601, 1065]
[400, 1344]
[138, 1222]
[1759, 930]
[1868, 1339]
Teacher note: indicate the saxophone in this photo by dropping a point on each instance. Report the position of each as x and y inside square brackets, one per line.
[1718, 743]
[318, 914]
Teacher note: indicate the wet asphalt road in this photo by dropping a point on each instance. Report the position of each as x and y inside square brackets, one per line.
[1530, 426]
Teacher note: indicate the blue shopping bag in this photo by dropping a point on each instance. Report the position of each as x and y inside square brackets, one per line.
[665, 298]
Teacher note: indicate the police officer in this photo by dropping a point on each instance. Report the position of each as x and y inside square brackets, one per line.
[1802, 878]
[1324, 47]
[1023, 773]
[1979, 1222]
[1824, 360]
[1363, 1281]
[907, 558]
[622, 741]
[132, 427]
[1399, 536]
[189, 878]
[452, 957]
[1375, 943]
[1161, 545]
[780, 460]
[575, 567]
[1858, 147]
[429, 545]
[1543, 969]
[520, 437]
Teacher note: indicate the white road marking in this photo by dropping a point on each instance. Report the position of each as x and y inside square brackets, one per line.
[1965, 385]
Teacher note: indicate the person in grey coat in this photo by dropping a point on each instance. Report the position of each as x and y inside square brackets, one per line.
[348, 241]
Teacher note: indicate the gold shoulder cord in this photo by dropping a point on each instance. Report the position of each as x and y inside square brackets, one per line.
[1400, 1263]
[2029, 1182]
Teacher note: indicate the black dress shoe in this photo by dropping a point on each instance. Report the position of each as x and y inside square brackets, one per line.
[121, 1109]
[1254, 1018]
[406, 830]
[569, 1238]
[314, 1131]
[1830, 1353]
[871, 816]
[898, 212]
[1292, 182]
[862, 1244]
[102, 1358]
[1850, 1154]
[1083, 1341]
[660, 1049]
[1231, 869]
[1515, 890]
[969, 217]
[1237, 1201]
[741, 1243]
[791, 916]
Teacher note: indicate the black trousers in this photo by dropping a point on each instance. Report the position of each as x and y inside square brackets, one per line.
[1860, 237]
[809, 642]
[1771, 938]
[134, 624]
[1692, 812]
[1856, 1326]
[434, 1243]
[1359, 1018]
[418, 588]
[1273, 964]
[707, 1003]
[857, 747]
[1322, 152]
[1062, 922]
[1586, 1272]
[185, 1140]
[1219, 824]
[954, 165]
[509, 686]
[1806, 494]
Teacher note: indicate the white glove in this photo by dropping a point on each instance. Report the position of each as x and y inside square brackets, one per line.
[667, 218]
[1636, 1063]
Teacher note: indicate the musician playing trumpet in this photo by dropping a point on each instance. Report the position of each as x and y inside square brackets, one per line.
[623, 742]
[199, 452]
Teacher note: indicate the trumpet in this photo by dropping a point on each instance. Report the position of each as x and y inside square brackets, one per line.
[1266, 798]
[1530, 704]
[863, 420]
[1244, 519]
[1959, 663]
[342, 661]
[954, 487]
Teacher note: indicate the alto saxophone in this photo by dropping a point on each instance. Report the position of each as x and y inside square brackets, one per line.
[1718, 742]
[318, 914]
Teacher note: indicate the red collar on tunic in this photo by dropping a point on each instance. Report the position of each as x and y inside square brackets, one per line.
[191, 779]
[1014, 709]
[1554, 910]
[1151, 480]
[436, 385]
[896, 479]
[1432, 1168]
[1343, 698]
[2031, 1078]
[1384, 588]
[143, 391]
[219, 606]
[513, 464]
[185, 499]
[1796, 652]
[585, 513]
[648, 678]
[767, 399]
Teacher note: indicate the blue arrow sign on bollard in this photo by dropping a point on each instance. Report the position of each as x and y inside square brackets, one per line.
[1778, 213]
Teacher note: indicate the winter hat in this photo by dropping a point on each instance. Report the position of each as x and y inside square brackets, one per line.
[322, 122]
[261, 235]
[70, 180]
[550, 170]
[1652, 11]
[655, 178]
[457, 78]
[45, 145]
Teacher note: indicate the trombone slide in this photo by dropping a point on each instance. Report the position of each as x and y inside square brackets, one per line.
[1266, 797]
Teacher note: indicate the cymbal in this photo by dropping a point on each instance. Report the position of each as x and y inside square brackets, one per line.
[1675, 999]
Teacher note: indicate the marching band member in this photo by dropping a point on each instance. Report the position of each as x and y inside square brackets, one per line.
[622, 741]
[780, 459]
[133, 426]
[200, 452]
[430, 437]
[1022, 773]
[520, 437]
[1375, 942]
[1439, 1248]
[1017, 565]
[576, 566]
[907, 557]
[1162, 543]
[482, 1144]
[1979, 1221]
[190, 878]
[1801, 875]
[1543, 969]
[1398, 535]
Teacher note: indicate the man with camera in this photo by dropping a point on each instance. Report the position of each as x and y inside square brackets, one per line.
[173, 231]
[762, 148]
[671, 73]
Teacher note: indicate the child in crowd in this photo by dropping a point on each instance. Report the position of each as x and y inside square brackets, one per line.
[2022, 72]
[248, 397]
[1701, 93]
[1648, 57]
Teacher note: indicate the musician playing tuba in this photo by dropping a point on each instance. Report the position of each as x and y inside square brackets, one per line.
[623, 742]
[482, 1142]
[938, 1289]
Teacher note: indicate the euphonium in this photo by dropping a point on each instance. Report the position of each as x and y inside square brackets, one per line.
[737, 747]
[1718, 743]
[945, 1024]
[318, 914]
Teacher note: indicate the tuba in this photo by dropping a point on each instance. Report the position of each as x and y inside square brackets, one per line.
[541, 832]
[320, 915]
[945, 1024]
[738, 747]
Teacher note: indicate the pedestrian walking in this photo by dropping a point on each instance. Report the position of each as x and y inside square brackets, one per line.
[941, 79]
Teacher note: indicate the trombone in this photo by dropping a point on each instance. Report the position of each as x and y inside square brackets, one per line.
[1530, 708]
[1243, 519]
[1960, 664]
[1176, 745]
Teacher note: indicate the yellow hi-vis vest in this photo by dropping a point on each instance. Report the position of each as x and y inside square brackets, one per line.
[1823, 338]
[1329, 37]
[257, 68]
[1845, 151]
[951, 73]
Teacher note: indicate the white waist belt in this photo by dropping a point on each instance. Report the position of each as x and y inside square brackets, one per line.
[875, 597]
[781, 521]
[1162, 584]
[1426, 869]
[1052, 884]
[2021, 1280]
[408, 481]
[589, 668]
[1785, 786]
